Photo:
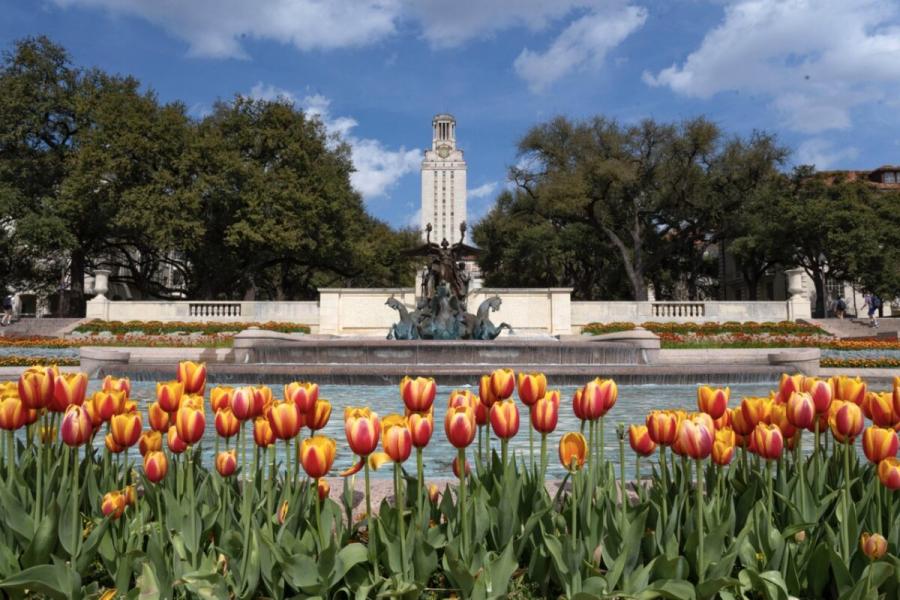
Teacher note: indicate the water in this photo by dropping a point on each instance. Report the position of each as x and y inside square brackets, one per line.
[39, 351]
[633, 404]
[874, 353]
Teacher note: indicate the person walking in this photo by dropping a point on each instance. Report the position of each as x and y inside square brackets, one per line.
[840, 307]
[872, 303]
[7, 310]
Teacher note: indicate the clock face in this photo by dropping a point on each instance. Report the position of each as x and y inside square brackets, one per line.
[443, 151]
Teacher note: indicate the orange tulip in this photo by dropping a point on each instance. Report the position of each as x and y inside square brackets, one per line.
[156, 465]
[176, 444]
[756, 410]
[227, 425]
[779, 418]
[112, 445]
[889, 473]
[545, 413]
[283, 512]
[362, 428]
[317, 455]
[303, 394]
[723, 421]
[317, 418]
[323, 489]
[108, 403]
[739, 422]
[821, 392]
[662, 427]
[36, 385]
[578, 405]
[114, 384]
[396, 437]
[846, 421]
[190, 423]
[418, 394]
[284, 417]
[768, 441]
[503, 383]
[598, 397]
[113, 505]
[93, 413]
[159, 419]
[849, 390]
[723, 446]
[873, 545]
[485, 393]
[801, 410]
[126, 428]
[572, 450]
[263, 400]
[168, 395]
[150, 441]
[640, 440]
[465, 398]
[421, 426]
[455, 467]
[220, 397]
[193, 376]
[788, 385]
[879, 443]
[713, 401]
[12, 413]
[76, 427]
[68, 389]
[531, 387]
[694, 439]
[244, 403]
[263, 435]
[459, 425]
[434, 493]
[226, 462]
[881, 409]
[505, 419]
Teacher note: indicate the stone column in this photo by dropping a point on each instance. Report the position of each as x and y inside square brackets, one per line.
[101, 282]
[329, 311]
[98, 306]
[798, 306]
[560, 311]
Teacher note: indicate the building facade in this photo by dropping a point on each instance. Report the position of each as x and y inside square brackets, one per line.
[443, 182]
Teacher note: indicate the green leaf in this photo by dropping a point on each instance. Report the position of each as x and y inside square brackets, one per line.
[56, 581]
[148, 584]
[206, 586]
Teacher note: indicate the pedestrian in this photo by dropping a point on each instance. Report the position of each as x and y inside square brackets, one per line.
[873, 303]
[7, 310]
[840, 307]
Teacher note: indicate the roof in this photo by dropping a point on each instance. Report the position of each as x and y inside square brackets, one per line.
[869, 177]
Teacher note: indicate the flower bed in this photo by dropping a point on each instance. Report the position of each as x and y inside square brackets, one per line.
[710, 329]
[861, 363]
[31, 361]
[731, 506]
[169, 327]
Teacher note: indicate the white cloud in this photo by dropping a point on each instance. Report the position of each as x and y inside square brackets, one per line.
[415, 219]
[378, 168]
[214, 28]
[817, 60]
[823, 155]
[270, 93]
[483, 191]
[585, 42]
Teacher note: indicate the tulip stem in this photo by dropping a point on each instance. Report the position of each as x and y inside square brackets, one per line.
[420, 471]
[193, 494]
[816, 455]
[373, 538]
[637, 477]
[461, 461]
[622, 478]
[319, 528]
[530, 439]
[701, 568]
[296, 458]
[769, 494]
[76, 520]
[11, 457]
[162, 520]
[845, 529]
[504, 443]
[401, 521]
[602, 461]
[543, 458]
[663, 470]
[574, 526]
[39, 500]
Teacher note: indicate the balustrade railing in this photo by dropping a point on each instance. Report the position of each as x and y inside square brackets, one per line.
[686, 310]
[214, 309]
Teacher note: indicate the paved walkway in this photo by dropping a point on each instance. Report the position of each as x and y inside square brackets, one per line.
[857, 328]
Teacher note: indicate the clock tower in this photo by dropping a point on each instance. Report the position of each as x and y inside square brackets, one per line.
[443, 182]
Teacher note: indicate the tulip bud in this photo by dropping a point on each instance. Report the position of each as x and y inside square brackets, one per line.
[459, 425]
[788, 385]
[879, 443]
[282, 513]
[317, 418]
[694, 439]
[396, 437]
[262, 432]
[421, 426]
[284, 417]
[768, 441]
[176, 444]
[455, 467]
[130, 495]
[150, 441]
[578, 405]
[873, 545]
[889, 473]
[12, 413]
[531, 387]
[243, 403]
[800, 537]
[113, 505]
[434, 493]
[845, 420]
[303, 394]
[598, 397]
[572, 450]
[801, 410]
[323, 489]
[662, 427]
[505, 419]
[503, 383]
[168, 395]
[156, 465]
[69, 389]
[76, 427]
[317, 455]
[485, 393]
[881, 409]
[159, 418]
[126, 428]
[113, 384]
[362, 428]
[220, 397]
[545, 413]
[193, 376]
[190, 423]
[226, 462]
[639, 438]
[713, 401]
[36, 385]
[227, 425]
[418, 394]
[821, 392]
[108, 403]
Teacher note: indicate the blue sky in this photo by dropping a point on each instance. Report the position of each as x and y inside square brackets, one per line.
[822, 74]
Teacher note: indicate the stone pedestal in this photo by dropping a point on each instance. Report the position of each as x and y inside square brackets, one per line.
[798, 301]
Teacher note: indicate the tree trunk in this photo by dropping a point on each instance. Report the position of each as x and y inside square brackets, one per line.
[72, 303]
[819, 283]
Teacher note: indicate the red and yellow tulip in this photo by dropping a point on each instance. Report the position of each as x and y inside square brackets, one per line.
[226, 462]
[150, 441]
[190, 423]
[662, 426]
[159, 418]
[505, 418]
[531, 387]
[788, 385]
[112, 445]
[418, 394]
[193, 376]
[881, 409]
[302, 393]
[845, 420]
[598, 397]
[821, 391]
[36, 385]
[545, 413]
[572, 450]
[175, 444]
[889, 473]
[485, 393]
[126, 428]
[244, 404]
[640, 440]
[220, 397]
[285, 419]
[695, 438]
[263, 435]
[76, 427]
[227, 425]
[801, 410]
[113, 505]
[713, 401]
[459, 425]
[156, 465]
[323, 489]
[421, 426]
[168, 395]
[396, 438]
[768, 441]
[363, 430]
[317, 418]
[116, 384]
[723, 446]
[68, 389]
[108, 403]
[879, 443]
[503, 384]
[849, 389]
[12, 413]
[317, 455]
[873, 545]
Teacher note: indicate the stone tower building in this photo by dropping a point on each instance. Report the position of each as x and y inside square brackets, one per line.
[443, 182]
